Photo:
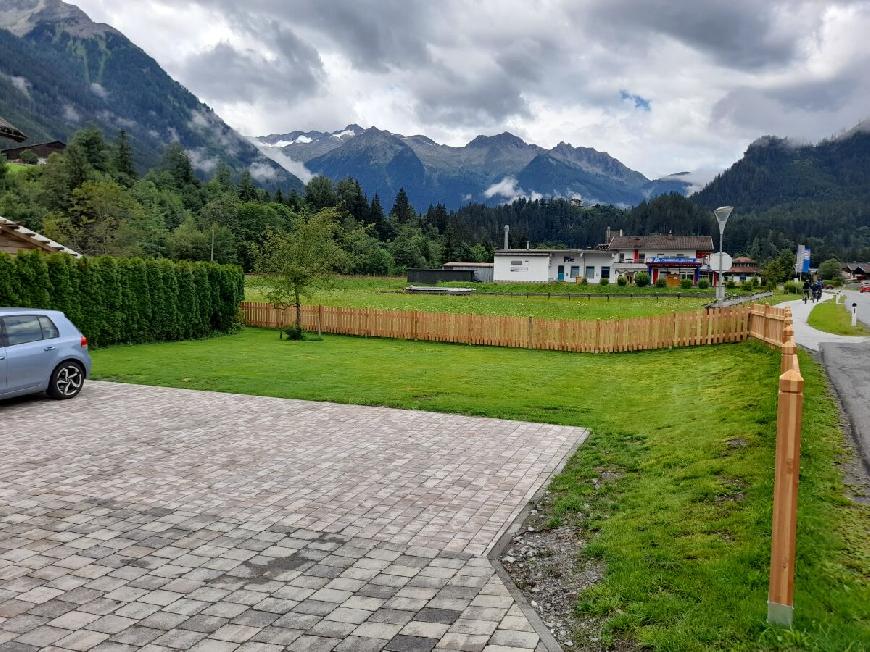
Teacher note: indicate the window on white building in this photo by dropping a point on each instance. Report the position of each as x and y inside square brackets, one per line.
[516, 262]
[590, 271]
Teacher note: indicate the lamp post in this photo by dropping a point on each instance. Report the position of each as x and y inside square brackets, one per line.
[722, 214]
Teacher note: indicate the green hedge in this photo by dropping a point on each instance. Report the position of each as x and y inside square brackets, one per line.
[126, 300]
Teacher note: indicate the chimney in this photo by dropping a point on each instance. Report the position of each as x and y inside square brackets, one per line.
[607, 237]
[506, 229]
[620, 233]
[528, 245]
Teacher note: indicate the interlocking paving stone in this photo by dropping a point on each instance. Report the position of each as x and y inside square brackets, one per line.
[167, 519]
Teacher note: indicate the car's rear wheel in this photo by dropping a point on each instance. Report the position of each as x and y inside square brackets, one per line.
[66, 380]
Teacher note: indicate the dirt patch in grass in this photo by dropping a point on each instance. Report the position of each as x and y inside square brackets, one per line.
[546, 563]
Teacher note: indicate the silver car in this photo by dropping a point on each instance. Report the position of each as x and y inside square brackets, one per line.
[41, 351]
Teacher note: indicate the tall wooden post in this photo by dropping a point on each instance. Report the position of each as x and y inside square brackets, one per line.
[320, 320]
[780, 599]
[529, 334]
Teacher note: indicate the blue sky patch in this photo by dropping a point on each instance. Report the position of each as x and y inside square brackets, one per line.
[639, 102]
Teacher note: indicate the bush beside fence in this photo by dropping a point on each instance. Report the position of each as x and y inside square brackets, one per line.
[126, 300]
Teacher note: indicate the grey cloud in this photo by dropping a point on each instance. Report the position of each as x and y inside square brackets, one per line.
[376, 35]
[805, 110]
[226, 73]
[737, 34]
[488, 98]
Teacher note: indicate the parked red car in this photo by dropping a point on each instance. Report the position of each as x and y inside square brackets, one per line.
[865, 286]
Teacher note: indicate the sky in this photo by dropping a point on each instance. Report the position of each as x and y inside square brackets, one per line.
[664, 86]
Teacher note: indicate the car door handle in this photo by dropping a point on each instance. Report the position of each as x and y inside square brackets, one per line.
[48, 348]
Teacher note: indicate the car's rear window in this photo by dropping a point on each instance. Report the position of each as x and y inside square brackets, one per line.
[49, 330]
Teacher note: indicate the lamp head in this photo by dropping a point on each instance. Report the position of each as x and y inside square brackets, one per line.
[722, 214]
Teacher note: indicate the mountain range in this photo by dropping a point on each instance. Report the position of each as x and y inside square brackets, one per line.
[60, 71]
[489, 169]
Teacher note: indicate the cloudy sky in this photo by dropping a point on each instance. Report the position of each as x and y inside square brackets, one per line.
[662, 85]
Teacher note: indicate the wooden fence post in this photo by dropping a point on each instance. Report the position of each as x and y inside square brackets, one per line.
[320, 320]
[780, 598]
[597, 345]
[529, 334]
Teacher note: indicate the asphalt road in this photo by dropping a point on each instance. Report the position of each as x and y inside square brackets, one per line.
[848, 366]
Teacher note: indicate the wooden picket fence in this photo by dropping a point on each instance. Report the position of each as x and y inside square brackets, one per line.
[713, 326]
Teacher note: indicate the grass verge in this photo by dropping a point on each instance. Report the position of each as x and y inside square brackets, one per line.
[688, 436]
[833, 317]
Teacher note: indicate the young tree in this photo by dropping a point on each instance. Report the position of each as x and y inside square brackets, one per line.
[830, 269]
[292, 264]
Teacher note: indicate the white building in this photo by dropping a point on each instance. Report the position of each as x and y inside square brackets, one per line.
[543, 265]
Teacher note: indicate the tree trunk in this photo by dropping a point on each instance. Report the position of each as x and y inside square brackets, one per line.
[298, 310]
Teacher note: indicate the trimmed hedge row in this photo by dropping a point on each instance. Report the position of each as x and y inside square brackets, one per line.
[126, 300]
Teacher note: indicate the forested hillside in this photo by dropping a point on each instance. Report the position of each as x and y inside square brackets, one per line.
[817, 195]
[59, 72]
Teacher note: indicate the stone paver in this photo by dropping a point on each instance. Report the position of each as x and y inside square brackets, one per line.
[138, 517]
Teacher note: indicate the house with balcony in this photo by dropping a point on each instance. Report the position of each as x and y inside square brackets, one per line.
[673, 257]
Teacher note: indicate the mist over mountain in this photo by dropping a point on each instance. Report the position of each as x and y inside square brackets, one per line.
[60, 71]
[490, 169]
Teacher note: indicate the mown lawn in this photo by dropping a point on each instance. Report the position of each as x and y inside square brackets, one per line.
[683, 529]
[834, 318]
[387, 294]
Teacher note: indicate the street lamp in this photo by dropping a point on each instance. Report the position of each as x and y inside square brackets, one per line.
[722, 214]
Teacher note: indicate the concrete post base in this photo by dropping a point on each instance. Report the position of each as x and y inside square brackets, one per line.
[780, 614]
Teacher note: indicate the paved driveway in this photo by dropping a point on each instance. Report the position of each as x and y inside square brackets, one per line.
[140, 517]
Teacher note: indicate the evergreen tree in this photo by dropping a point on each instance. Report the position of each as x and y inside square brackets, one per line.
[177, 163]
[247, 191]
[383, 227]
[351, 198]
[123, 160]
[223, 176]
[90, 142]
[320, 193]
[402, 211]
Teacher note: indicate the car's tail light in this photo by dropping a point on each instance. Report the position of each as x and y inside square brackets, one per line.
[84, 342]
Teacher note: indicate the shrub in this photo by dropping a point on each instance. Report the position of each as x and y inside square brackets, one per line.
[584, 281]
[604, 281]
[730, 284]
[641, 279]
[792, 287]
[686, 283]
[117, 300]
[703, 284]
[294, 332]
[661, 282]
[621, 281]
